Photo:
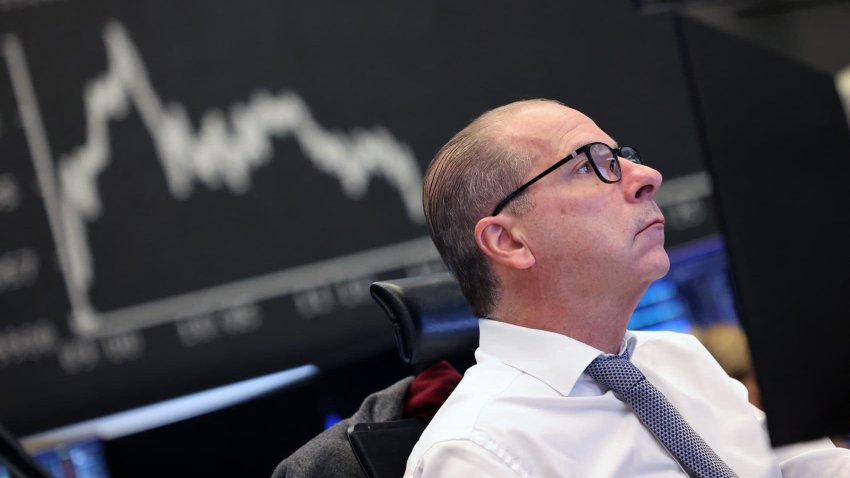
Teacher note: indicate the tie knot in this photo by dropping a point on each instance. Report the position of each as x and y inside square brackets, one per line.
[615, 372]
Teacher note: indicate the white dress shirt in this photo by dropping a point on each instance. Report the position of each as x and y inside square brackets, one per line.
[528, 409]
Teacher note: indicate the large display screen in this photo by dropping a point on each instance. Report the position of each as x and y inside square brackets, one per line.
[193, 193]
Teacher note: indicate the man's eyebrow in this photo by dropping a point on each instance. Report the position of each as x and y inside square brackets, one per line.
[614, 146]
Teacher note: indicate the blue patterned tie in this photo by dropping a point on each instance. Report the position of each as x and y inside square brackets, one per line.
[658, 414]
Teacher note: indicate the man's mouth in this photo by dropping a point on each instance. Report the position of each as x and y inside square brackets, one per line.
[656, 221]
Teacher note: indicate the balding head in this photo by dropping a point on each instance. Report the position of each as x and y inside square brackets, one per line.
[468, 176]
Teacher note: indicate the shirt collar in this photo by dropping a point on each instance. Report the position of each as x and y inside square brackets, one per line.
[552, 358]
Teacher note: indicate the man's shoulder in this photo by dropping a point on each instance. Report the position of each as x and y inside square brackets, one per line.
[466, 420]
[683, 359]
[481, 388]
[662, 335]
[679, 341]
[667, 350]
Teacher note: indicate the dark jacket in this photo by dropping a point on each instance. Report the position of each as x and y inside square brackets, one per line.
[329, 454]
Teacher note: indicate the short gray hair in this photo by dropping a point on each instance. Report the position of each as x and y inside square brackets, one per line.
[463, 183]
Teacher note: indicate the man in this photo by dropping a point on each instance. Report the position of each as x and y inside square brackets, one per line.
[551, 229]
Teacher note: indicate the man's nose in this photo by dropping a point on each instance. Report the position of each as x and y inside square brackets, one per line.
[640, 180]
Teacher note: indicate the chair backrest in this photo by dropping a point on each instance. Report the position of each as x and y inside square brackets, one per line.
[431, 318]
[431, 322]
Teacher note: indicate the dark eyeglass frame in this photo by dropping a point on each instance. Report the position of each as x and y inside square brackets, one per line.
[625, 152]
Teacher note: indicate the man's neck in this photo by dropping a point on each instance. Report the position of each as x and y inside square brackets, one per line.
[596, 321]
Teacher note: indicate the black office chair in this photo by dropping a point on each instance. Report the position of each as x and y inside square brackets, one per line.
[432, 322]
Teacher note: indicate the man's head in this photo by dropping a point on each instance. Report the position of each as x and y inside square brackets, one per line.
[569, 232]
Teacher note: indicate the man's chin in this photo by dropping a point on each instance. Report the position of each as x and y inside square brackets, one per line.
[660, 264]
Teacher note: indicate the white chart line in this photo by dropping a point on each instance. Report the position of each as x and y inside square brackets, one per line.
[277, 284]
[42, 158]
[223, 150]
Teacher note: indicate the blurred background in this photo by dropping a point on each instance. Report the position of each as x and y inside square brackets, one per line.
[196, 195]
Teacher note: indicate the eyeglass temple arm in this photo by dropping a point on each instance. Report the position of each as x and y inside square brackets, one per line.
[504, 202]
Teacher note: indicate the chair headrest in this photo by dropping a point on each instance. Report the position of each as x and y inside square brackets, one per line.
[431, 318]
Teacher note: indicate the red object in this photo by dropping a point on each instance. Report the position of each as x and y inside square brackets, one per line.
[429, 389]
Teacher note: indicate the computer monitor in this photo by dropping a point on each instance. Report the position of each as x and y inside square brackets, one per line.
[776, 138]
[76, 459]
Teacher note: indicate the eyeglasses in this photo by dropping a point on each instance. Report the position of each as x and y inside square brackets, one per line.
[603, 159]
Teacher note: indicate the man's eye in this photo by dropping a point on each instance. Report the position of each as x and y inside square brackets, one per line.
[584, 168]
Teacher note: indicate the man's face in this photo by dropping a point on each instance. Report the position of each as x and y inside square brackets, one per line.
[583, 231]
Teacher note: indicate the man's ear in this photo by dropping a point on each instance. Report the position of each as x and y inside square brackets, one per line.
[501, 241]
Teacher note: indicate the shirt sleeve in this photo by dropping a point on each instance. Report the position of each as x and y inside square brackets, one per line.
[462, 459]
[813, 459]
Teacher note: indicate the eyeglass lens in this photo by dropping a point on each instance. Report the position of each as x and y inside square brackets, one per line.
[606, 161]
